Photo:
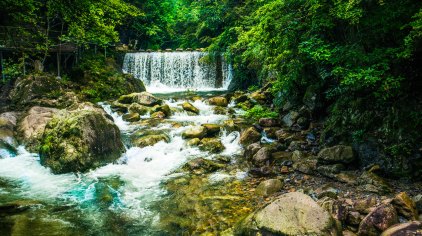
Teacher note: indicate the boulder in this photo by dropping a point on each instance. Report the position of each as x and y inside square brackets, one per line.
[80, 139]
[371, 182]
[262, 156]
[337, 154]
[138, 108]
[231, 125]
[212, 129]
[218, 101]
[37, 90]
[268, 122]
[143, 98]
[119, 107]
[194, 132]
[259, 97]
[251, 150]
[212, 145]
[306, 166]
[131, 117]
[290, 214]
[8, 142]
[405, 206]
[189, 107]
[268, 187]
[31, 127]
[404, 229]
[249, 136]
[291, 118]
[378, 220]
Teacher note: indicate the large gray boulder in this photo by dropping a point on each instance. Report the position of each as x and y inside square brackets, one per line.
[290, 214]
[80, 139]
[337, 154]
[31, 127]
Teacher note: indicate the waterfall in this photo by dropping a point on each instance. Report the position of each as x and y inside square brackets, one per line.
[176, 71]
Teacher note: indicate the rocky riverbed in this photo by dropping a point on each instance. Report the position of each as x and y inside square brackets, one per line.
[189, 163]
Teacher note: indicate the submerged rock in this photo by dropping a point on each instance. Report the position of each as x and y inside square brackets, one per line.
[80, 139]
[189, 107]
[290, 214]
[218, 101]
[31, 127]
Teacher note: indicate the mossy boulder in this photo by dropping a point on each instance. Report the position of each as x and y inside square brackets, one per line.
[162, 108]
[138, 108]
[218, 101]
[189, 107]
[220, 110]
[202, 166]
[131, 117]
[337, 154]
[268, 187]
[212, 145]
[249, 136]
[36, 90]
[80, 139]
[212, 129]
[143, 98]
[194, 132]
[31, 127]
[120, 107]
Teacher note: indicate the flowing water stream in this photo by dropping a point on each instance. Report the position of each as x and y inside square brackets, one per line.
[145, 193]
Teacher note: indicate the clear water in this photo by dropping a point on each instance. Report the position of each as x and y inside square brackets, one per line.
[118, 198]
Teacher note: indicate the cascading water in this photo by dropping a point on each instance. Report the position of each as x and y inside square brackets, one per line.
[175, 71]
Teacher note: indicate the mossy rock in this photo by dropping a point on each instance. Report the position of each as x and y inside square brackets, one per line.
[189, 107]
[140, 109]
[131, 117]
[142, 98]
[202, 166]
[212, 145]
[79, 140]
[144, 138]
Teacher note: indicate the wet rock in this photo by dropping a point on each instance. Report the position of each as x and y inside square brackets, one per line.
[270, 132]
[119, 107]
[250, 135]
[251, 150]
[230, 126]
[193, 142]
[404, 229]
[268, 187]
[291, 118]
[31, 127]
[165, 109]
[336, 208]
[7, 137]
[290, 214]
[268, 122]
[202, 166]
[212, 129]
[405, 206]
[212, 145]
[150, 140]
[194, 132]
[131, 117]
[143, 98]
[138, 108]
[378, 220]
[262, 156]
[218, 101]
[220, 110]
[80, 139]
[189, 107]
[336, 154]
[238, 98]
[158, 115]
